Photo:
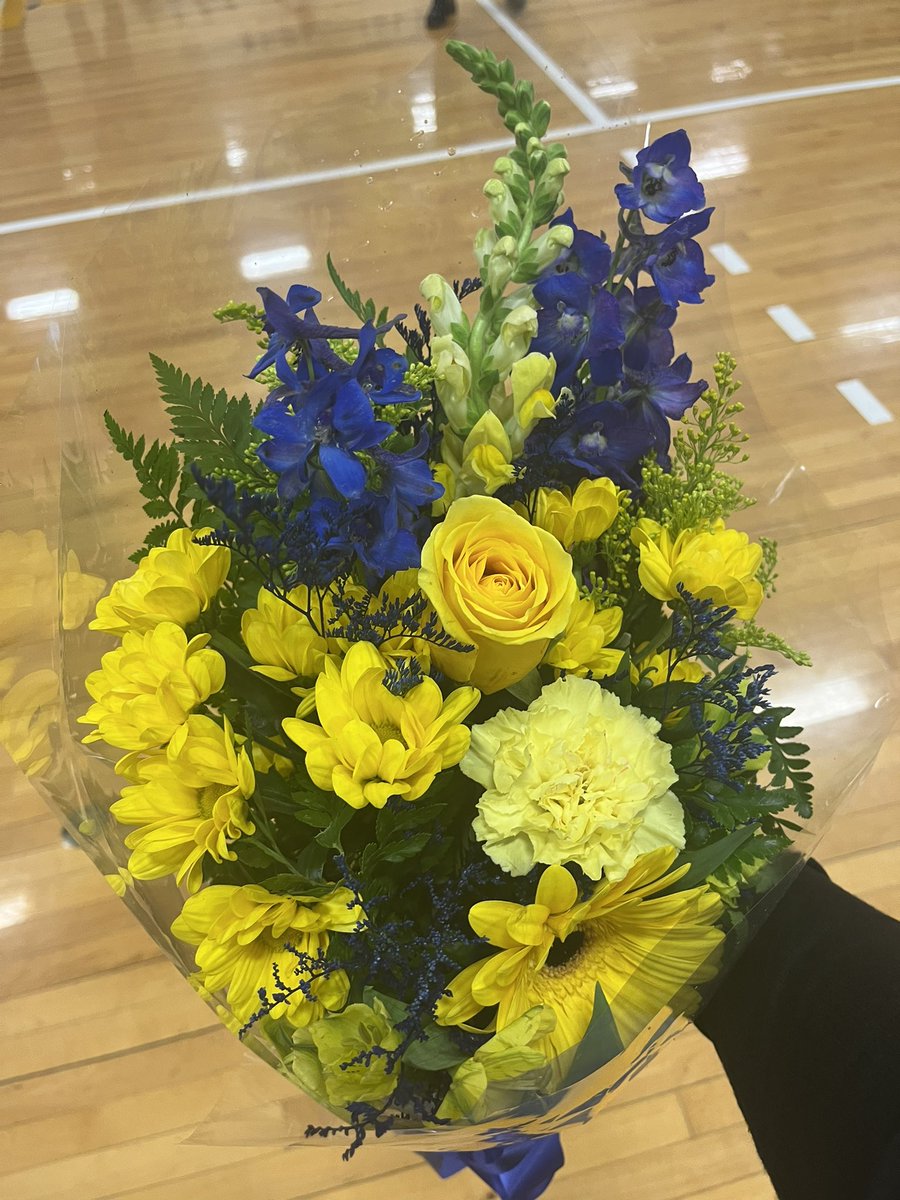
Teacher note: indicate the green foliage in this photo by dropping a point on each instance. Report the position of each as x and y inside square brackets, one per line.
[251, 316]
[767, 573]
[788, 764]
[364, 309]
[697, 492]
[522, 115]
[212, 429]
[750, 635]
[158, 468]
[600, 1044]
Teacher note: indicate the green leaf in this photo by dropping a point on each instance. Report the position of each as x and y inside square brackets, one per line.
[527, 688]
[600, 1044]
[364, 309]
[296, 885]
[705, 861]
[212, 429]
[438, 1052]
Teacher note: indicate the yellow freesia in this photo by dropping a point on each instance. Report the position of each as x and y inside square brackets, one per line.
[584, 648]
[370, 744]
[716, 564]
[640, 947]
[174, 582]
[147, 686]
[189, 803]
[244, 937]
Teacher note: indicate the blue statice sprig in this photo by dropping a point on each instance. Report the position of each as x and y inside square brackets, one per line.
[380, 619]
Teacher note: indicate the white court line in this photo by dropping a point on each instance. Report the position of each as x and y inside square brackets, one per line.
[788, 321]
[729, 258]
[551, 69]
[760, 98]
[279, 183]
[866, 404]
[379, 166]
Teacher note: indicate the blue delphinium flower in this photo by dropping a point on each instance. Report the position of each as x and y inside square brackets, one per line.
[589, 256]
[662, 184]
[675, 261]
[286, 329]
[647, 323]
[659, 394]
[576, 321]
[323, 420]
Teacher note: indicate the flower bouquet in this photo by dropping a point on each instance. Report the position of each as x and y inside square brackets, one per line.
[430, 693]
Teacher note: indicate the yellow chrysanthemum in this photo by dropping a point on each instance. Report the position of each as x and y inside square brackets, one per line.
[371, 744]
[584, 648]
[640, 947]
[716, 564]
[243, 935]
[174, 582]
[576, 517]
[29, 710]
[577, 777]
[665, 667]
[147, 686]
[281, 639]
[189, 802]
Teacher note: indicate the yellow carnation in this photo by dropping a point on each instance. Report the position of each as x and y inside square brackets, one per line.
[147, 686]
[174, 582]
[584, 648]
[189, 802]
[579, 517]
[371, 744]
[577, 777]
[716, 564]
[496, 583]
[243, 936]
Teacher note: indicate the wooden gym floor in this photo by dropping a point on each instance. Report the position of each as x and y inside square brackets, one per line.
[161, 156]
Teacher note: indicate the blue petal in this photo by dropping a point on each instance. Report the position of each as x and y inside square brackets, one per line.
[346, 472]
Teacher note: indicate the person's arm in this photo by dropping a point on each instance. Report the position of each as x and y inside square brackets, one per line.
[807, 1025]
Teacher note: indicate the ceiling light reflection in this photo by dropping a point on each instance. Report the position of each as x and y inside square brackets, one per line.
[236, 155]
[610, 87]
[261, 264]
[884, 329]
[827, 699]
[720, 162]
[13, 911]
[730, 72]
[423, 112]
[42, 304]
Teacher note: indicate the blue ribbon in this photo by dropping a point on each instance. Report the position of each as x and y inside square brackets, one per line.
[520, 1171]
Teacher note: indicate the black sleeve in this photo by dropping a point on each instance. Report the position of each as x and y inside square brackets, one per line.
[807, 1025]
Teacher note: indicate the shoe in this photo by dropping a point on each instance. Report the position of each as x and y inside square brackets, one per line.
[439, 13]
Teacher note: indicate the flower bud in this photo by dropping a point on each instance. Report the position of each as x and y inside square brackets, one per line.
[443, 306]
[516, 335]
[501, 264]
[452, 379]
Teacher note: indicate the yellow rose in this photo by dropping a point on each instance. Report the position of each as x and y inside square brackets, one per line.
[716, 564]
[496, 583]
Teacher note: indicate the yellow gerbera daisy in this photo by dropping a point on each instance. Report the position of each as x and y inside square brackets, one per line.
[174, 582]
[189, 802]
[372, 744]
[642, 948]
[244, 937]
[145, 689]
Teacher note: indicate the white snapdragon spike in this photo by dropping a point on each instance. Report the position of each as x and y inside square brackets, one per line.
[518, 330]
[500, 201]
[482, 463]
[501, 264]
[444, 308]
[452, 379]
[548, 247]
[485, 241]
